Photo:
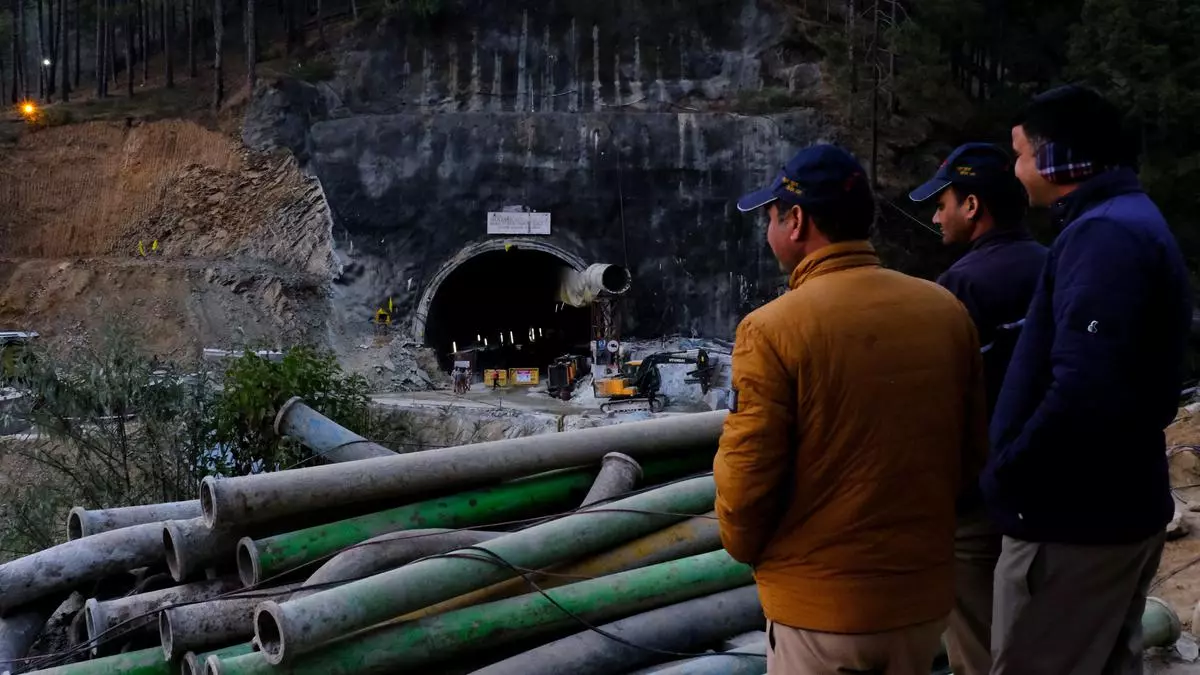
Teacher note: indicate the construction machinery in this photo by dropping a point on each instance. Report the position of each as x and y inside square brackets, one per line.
[638, 386]
[564, 374]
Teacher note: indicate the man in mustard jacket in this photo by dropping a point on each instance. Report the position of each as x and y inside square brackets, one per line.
[858, 415]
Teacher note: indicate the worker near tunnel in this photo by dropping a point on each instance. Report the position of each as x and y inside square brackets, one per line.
[857, 409]
[1077, 477]
[981, 205]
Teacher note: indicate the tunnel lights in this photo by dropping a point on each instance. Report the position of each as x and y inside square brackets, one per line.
[46, 62]
[454, 347]
[484, 342]
[510, 338]
[539, 332]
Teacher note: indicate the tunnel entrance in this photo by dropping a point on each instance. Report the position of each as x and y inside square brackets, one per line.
[503, 304]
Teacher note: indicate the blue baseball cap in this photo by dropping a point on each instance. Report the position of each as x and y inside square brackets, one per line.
[821, 174]
[973, 164]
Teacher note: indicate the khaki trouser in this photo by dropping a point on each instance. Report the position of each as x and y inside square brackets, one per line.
[907, 651]
[1064, 609]
[969, 631]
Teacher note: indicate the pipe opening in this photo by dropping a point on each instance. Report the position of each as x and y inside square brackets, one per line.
[191, 665]
[616, 279]
[75, 523]
[500, 310]
[247, 561]
[174, 564]
[212, 666]
[166, 636]
[93, 615]
[208, 500]
[268, 633]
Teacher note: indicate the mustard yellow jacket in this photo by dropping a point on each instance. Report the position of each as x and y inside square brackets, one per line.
[859, 413]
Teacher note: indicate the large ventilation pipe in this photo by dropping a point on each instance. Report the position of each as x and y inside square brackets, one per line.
[580, 289]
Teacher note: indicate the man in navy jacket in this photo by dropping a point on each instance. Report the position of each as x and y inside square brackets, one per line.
[981, 203]
[1077, 478]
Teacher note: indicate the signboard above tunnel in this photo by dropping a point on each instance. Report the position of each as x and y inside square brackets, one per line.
[518, 223]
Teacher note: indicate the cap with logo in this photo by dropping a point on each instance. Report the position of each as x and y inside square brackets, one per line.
[821, 174]
[973, 164]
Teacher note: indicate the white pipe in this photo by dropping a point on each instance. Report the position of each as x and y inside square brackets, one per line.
[580, 289]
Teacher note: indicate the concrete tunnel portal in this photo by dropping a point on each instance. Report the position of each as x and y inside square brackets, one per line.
[514, 305]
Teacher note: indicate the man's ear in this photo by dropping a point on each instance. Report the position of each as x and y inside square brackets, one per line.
[971, 207]
[800, 230]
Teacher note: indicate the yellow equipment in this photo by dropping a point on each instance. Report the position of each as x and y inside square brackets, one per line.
[637, 387]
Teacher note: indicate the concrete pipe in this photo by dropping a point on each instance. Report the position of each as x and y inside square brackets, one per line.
[84, 523]
[205, 625]
[1160, 624]
[295, 627]
[19, 631]
[265, 497]
[389, 552]
[143, 662]
[746, 660]
[618, 474]
[681, 540]
[193, 663]
[684, 627]
[415, 646]
[190, 546]
[61, 568]
[580, 289]
[136, 612]
[331, 441]
[537, 495]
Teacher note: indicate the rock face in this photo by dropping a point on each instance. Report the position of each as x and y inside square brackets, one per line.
[627, 121]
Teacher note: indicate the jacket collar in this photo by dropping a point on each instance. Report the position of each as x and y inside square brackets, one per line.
[1093, 191]
[998, 236]
[834, 258]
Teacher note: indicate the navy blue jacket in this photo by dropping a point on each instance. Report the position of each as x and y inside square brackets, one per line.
[1078, 451]
[995, 281]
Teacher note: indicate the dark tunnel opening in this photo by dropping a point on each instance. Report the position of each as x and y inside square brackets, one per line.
[503, 306]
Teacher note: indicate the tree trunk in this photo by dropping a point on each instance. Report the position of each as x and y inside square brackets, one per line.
[320, 24]
[101, 76]
[218, 38]
[851, 39]
[191, 19]
[130, 20]
[66, 49]
[289, 27]
[167, 29]
[41, 46]
[891, 100]
[16, 56]
[251, 47]
[52, 25]
[111, 39]
[354, 9]
[875, 99]
[78, 42]
[144, 38]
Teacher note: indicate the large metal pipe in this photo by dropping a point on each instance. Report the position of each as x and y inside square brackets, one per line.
[681, 540]
[684, 627]
[580, 289]
[136, 612]
[84, 523]
[287, 629]
[390, 551]
[193, 663]
[746, 660]
[265, 497]
[19, 631]
[412, 646]
[619, 473]
[191, 628]
[61, 568]
[265, 558]
[143, 662]
[332, 442]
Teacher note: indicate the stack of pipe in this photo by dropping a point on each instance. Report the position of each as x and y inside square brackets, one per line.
[592, 551]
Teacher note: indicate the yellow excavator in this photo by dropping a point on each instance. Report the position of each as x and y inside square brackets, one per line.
[637, 387]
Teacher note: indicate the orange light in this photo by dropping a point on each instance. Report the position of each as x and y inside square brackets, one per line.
[28, 109]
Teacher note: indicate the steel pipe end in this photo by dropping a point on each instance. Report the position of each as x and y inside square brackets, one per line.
[191, 665]
[97, 623]
[77, 524]
[166, 636]
[248, 567]
[625, 459]
[269, 632]
[616, 279]
[208, 500]
[283, 411]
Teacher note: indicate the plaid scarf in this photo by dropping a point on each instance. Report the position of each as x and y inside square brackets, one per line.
[1057, 165]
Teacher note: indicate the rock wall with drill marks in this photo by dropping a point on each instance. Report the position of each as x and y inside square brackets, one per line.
[620, 119]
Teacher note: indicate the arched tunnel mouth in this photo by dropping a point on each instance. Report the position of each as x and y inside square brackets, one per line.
[502, 308]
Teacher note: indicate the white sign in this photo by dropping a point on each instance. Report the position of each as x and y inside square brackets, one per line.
[518, 223]
[614, 347]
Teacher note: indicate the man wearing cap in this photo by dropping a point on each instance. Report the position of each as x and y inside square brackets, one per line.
[980, 204]
[857, 409]
[1077, 477]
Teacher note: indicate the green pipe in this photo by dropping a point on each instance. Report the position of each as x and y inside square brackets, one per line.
[144, 662]
[1160, 624]
[193, 663]
[260, 559]
[287, 629]
[418, 643]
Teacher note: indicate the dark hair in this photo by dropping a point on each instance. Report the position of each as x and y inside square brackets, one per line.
[1084, 121]
[848, 219]
[1004, 200]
